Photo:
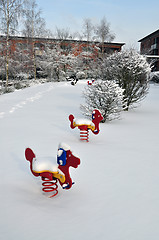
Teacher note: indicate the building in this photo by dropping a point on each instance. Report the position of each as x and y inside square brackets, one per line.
[149, 46]
[76, 46]
[28, 51]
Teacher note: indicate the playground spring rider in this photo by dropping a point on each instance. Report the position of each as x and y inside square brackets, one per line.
[51, 173]
[84, 124]
[90, 82]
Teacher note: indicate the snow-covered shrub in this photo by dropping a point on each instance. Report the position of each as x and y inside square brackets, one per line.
[106, 96]
[80, 75]
[154, 77]
[55, 65]
[131, 71]
[21, 84]
[4, 90]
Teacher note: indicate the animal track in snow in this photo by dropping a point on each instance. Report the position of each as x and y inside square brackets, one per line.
[34, 97]
[21, 104]
[2, 114]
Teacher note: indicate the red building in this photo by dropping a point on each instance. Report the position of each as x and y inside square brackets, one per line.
[149, 46]
[76, 46]
[23, 48]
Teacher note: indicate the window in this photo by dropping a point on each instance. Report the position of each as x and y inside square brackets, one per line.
[21, 46]
[155, 52]
[156, 40]
[65, 47]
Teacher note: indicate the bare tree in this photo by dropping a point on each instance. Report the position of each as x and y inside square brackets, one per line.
[34, 24]
[63, 33]
[88, 29]
[103, 33]
[87, 33]
[10, 11]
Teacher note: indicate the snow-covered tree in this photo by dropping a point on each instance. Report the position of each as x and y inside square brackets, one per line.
[95, 68]
[106, 96]
[2, 68]
[10, 11]
[131, 71]
[54, 64]
[34, 26]
[154, 77]
[20, 62]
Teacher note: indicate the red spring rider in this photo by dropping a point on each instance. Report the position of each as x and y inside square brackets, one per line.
[90, 82]
[52, 173]
[84, 124]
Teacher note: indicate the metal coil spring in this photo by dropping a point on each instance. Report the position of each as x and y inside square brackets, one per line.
[84, 135]
[50, 186]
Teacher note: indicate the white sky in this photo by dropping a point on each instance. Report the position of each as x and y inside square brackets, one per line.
[129, 20]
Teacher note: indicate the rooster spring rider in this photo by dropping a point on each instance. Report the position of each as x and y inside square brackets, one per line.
[84, 124]
[50, 173]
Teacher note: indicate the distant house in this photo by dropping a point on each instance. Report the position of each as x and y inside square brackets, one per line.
[149, 46]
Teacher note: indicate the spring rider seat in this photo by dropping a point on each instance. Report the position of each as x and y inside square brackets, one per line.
[84, 125]
[50, 172]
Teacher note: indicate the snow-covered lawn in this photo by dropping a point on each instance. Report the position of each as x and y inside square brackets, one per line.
[116, 191]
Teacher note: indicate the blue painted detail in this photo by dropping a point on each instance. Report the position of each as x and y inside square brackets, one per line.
[62, 159]
[67, 186]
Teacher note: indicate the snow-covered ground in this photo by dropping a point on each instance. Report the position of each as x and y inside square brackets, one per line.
[116, 190]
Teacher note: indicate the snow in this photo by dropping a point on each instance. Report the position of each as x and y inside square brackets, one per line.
[43, 164]
[64, 146]
[115, 195]
[83, 121]
[59, 153]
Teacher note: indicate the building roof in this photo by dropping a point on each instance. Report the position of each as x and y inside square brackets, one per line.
[150, 35]
[66, 40]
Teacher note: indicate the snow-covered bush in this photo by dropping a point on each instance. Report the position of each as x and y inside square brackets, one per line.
[106, 96]
[53, 64]
[131, 71]
[80, 75]
[154, 77]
